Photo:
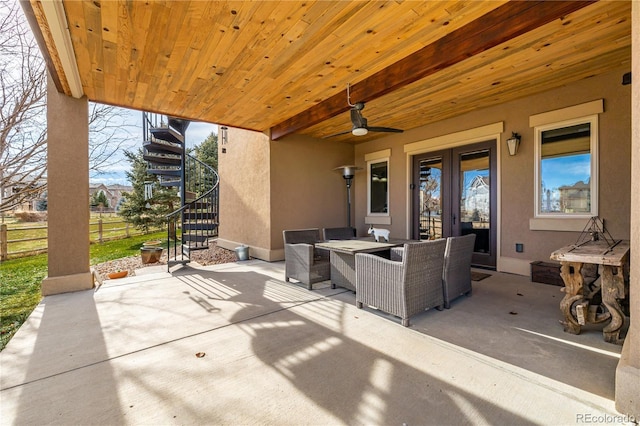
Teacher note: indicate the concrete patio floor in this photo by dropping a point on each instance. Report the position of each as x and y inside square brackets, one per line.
[275, 353]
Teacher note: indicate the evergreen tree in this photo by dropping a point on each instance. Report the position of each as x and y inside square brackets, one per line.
[42, 203]
[145, 214]
[98, 198]
[207, 151]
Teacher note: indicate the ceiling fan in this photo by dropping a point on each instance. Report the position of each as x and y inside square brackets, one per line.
[359, 123]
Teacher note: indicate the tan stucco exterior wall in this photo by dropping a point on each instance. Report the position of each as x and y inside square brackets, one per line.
[268, 186]
[68, 193]
[306, 191]
[517, 173]
[245, 189]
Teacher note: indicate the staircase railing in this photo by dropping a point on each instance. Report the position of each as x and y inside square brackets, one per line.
[190, 227]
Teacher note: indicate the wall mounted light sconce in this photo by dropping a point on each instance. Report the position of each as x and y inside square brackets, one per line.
[626, 78]
[224, 138]
[348, 173]
[513, 143]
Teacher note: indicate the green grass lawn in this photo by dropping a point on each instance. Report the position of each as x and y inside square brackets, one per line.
[20, 279]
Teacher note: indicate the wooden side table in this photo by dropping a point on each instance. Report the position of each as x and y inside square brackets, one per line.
[576, 306]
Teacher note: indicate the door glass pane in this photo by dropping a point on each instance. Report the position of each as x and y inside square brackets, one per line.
[475, 198]
[430, 199]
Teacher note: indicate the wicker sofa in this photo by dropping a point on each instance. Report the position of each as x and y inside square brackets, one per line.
[303, 262]
[402, 287]
[456, 276]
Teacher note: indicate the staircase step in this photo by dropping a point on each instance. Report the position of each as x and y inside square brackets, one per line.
[171, 263]
[162, 146]
[179, 124]
[162, 159]
[165, 172]
[200, 216]
[167, 134]
[196, 238]
[170, 182]
[196, 247]
[199, 227]
[198, 206]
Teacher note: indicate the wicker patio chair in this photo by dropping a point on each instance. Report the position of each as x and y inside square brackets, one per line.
[346, 233]
[402, 288]
[302, 261]
[456, 277]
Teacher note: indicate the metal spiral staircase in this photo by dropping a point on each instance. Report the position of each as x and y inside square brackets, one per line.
[191, 226]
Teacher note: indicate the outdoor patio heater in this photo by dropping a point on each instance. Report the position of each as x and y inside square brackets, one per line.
[348, 173]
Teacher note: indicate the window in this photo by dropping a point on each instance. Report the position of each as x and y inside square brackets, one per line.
[378, 172]
[566, 168]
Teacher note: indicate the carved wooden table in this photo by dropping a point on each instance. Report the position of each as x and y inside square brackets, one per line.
[580, 304]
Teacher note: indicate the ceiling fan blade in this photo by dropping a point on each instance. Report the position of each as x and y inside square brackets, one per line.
[384, 129]
[337, 134]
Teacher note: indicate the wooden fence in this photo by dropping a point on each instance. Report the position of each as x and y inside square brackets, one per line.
[98, 235]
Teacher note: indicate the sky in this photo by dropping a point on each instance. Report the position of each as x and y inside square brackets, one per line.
[566, 170]
[196, 133]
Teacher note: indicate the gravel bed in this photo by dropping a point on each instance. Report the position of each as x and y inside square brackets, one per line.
[212, 256]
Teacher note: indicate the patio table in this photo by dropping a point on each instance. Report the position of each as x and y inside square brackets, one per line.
[580, 304]
[342, 257]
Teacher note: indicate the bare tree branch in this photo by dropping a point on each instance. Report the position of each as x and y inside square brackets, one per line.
[23, 140]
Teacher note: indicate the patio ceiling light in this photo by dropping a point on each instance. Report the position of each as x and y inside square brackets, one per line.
[359, 131]
[512, 143]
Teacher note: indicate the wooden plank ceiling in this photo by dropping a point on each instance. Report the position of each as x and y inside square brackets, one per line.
[273, 65]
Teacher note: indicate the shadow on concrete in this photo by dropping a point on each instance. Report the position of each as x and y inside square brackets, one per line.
[56, 381]
[511, 319]
[303, 340]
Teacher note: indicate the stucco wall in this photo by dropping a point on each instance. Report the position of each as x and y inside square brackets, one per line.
[306, 191]
[245, 190]
[517, 173]
[268, 186]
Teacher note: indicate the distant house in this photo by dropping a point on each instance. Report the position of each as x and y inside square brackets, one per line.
[114, 193]
[476, 202]
[575, 198]
[35, 189]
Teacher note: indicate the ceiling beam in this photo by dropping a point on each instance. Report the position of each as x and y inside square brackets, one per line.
[498, 26]
[59, 28]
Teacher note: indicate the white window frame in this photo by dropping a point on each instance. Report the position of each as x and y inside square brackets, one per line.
[369, 164]
[370, 159]
[593, 179]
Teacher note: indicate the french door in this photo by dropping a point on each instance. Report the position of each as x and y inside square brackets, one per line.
[454, 193]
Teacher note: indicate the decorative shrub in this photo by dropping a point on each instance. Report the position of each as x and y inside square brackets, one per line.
[31, 216]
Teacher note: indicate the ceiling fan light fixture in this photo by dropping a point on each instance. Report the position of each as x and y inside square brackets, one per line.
[359, 131]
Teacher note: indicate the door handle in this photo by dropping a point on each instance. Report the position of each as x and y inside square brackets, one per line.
[454, 219]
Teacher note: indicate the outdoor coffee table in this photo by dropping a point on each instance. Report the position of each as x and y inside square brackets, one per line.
[343, 255]
[576, 306]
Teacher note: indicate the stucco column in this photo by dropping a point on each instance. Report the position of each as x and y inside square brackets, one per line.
[628, 370]
[67, 193]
